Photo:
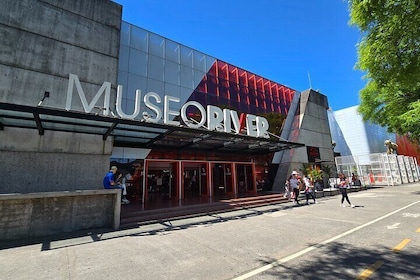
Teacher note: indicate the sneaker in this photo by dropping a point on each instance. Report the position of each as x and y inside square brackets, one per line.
[316, 202]
[125, 201]
[352, 206]
[342, 205]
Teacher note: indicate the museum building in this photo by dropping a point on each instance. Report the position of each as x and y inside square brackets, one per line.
[82, 90]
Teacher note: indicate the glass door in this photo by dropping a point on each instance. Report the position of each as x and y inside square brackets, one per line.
[219, 186]
[222, 179]
[161, 181]
[192, 186]
[245, 178]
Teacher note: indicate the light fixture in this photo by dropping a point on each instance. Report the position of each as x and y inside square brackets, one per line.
[112, 112]
[201, 138]
[100, 110]
[147, 116]
[257, 145]
[46, 94]
[231, 142]
[253, 146]
[226, 144]
[193, 121]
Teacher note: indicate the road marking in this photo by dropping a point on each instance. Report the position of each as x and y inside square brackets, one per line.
[410, 215]
[401, 246]
[307, 250]
[371, 269]
[394, 226]
[371, 195]
[275, 214]
[337, 220]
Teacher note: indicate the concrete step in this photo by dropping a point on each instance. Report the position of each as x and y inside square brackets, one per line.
[136, 218]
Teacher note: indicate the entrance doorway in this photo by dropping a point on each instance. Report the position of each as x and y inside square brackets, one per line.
[222, 179]
[192, 182]
[161, 181]
[245, 179]
[194, 179]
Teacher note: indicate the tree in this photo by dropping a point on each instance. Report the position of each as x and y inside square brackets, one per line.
[275, 121]
[389, 52]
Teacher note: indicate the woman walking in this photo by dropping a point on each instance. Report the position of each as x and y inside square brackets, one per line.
[309, 189]
[343, 188]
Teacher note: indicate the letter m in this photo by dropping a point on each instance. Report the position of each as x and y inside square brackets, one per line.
[105, 89]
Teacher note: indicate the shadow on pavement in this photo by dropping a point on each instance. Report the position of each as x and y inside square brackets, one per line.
[341, 261]
[165, 225]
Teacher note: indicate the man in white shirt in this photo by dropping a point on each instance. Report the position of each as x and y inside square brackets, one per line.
[294, 184]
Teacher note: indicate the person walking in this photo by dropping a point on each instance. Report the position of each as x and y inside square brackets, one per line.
[125, 176]
[287, 190]
[309, 189]
[294, 185]
[343, 188]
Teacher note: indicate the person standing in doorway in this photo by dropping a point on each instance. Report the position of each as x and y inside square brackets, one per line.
[294, 185]
[343, 188]
[123, 183]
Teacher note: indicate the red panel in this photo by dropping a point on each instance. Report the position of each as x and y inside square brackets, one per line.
[407, 148]
[222, 68]
[260, 84]
[202, 86]
[243, 89]
[213, 69]
[224, 88]
[233, 74]
[252, 83]
[243, 78]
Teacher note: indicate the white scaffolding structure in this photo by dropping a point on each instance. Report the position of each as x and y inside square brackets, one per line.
[380, 168]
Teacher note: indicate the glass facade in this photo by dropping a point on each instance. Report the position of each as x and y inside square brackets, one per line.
[151, 63]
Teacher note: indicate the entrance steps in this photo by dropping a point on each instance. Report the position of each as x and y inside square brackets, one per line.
[135, 218]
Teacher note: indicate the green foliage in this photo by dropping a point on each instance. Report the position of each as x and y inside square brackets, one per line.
[313, 172]
[327, 169]
[275, 122]
[305, 168]
[389, 52]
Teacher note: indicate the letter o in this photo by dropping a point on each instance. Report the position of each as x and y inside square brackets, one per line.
[187, 121]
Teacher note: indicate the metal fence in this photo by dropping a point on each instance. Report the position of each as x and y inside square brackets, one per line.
[380, 168]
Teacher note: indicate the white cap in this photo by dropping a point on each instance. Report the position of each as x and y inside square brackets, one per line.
[294, 173]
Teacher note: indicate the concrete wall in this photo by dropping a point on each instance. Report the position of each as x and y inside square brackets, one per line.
[33, 215]
[42, 43]
[55, 161]
[307, 123]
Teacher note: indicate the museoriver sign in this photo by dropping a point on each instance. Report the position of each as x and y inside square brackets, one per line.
[211, 117]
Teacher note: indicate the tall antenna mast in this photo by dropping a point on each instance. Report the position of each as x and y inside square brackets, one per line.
[309, 79]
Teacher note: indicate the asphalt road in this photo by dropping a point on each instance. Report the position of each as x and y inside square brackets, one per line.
[378, 239]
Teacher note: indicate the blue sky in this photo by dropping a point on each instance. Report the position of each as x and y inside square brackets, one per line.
[299, 43]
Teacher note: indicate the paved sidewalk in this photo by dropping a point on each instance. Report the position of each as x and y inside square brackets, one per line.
[203, 247]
